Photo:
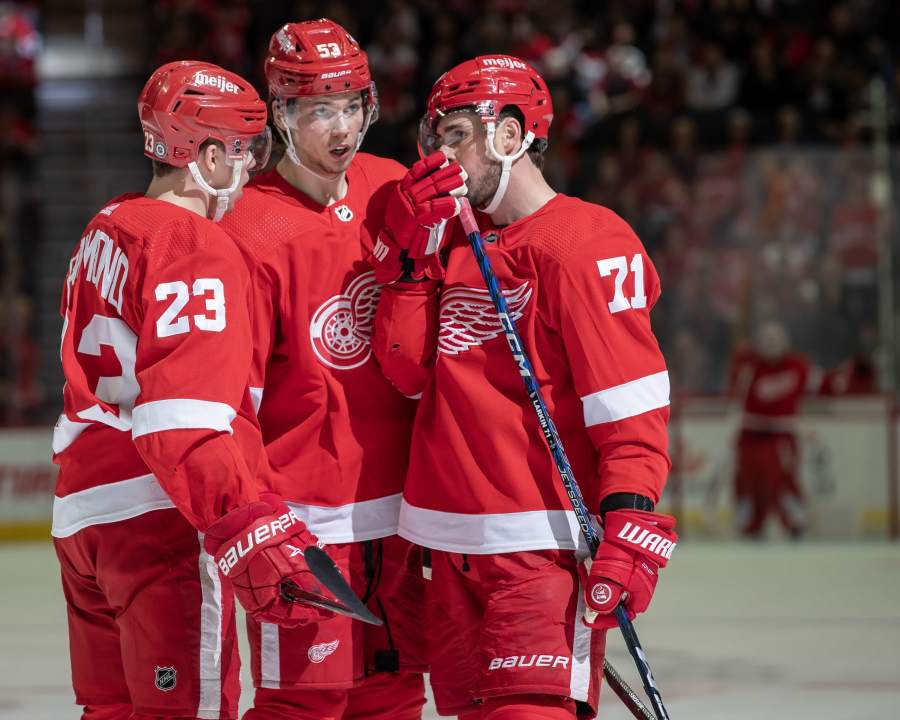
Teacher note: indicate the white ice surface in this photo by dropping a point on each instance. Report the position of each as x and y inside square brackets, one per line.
[736, 632]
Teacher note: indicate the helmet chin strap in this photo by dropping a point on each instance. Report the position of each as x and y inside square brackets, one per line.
[506, 163]
[222, 195]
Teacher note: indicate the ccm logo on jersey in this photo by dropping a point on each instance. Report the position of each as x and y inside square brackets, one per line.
[258, 536]
[643, 538]
[504, 62]
[201, 79]
[526, 661]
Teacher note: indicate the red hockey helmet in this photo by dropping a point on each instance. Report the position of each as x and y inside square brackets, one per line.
[316, 57]
[488, 84]
[187, 102]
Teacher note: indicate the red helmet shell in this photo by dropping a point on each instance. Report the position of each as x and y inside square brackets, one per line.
[187, 102]
[316, 57]
[488, 84]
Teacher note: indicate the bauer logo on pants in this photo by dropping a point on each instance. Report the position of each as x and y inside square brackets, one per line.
[318, 653]
[166, 678]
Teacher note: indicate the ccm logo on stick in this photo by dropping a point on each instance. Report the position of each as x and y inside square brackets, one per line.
[526, 661]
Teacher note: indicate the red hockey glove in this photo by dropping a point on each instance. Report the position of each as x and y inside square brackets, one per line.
[257, 547]
[636, 544]
[414, 220]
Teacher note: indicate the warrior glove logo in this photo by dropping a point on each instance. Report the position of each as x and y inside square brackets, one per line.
[318, 653]
[341, 329]
[468, 317]
[166, 678]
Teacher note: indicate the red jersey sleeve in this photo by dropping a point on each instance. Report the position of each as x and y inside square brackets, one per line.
[192, 363]
[606, 288]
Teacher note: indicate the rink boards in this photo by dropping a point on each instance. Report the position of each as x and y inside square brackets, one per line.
[846, 447]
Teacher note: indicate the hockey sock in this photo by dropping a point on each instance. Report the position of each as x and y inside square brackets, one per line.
[529, 707]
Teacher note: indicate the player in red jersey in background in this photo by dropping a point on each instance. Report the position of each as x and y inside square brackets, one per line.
[506, 599]
[160, 474]
[769, 379]
[335, 429]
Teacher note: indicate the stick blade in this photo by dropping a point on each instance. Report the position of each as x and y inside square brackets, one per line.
[326, 572]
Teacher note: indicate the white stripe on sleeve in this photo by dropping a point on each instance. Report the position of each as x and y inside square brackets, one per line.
[181, 414]
[256, 394]
[627, 400]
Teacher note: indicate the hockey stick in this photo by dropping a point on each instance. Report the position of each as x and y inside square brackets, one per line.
[554, 443]
[326, 572]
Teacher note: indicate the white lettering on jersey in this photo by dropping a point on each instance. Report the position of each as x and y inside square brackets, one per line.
[201, 79]
[341, 329]
[620, 265]
[527, 661]
[318, 653]
[169, 323]
[468, 317]
[777, 385]
[104, 265]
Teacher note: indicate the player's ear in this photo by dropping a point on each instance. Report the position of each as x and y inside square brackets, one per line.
[510, 134]
[277, 114]
[210, 158]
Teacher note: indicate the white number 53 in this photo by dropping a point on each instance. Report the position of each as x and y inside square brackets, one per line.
[620, 265]
[170, 323]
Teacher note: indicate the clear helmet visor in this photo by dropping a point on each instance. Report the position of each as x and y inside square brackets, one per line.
[254, 151]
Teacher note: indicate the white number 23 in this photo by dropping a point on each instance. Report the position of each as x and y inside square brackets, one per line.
[170, 323]
[620, 265]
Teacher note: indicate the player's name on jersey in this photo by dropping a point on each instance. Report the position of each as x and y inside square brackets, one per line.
[104, 265]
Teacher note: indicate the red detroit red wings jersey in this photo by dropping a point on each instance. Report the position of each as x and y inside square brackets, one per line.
[156, 356]
[580, 287]
[770, 391]
[335, 429]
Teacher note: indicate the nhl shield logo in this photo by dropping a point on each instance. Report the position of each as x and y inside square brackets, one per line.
[344, 214]
[166, 678]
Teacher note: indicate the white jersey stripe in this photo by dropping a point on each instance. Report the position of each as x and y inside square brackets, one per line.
[483, 534]
[107, 504]
[270, 657]
[627, 400]
[580, 679]
[256, 394]
[181, 414]
[211, 616]
[354, 522]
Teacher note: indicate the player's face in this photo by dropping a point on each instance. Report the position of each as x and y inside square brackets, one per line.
[220, 173]
[325, 130]
[462, 137]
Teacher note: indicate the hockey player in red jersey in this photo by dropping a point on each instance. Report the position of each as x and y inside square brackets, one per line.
[161, 515]
[768, 379]
[515, 630]
[335, 429]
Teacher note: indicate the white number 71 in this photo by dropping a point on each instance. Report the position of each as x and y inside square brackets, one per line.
[620, 265]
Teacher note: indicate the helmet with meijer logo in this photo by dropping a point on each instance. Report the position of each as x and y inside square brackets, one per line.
[186, 103]
[486, 85]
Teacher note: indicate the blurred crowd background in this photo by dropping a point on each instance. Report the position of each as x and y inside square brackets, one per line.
[750, 143]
